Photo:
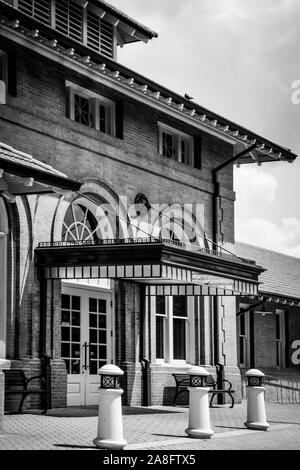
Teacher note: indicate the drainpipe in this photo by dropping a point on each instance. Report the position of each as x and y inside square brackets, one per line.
[215, 232]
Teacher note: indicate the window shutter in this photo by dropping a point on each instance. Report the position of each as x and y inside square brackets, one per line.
[197, 152]
[119, 119]
[42, 10]
[69, 103]
[26, 6]
[106, 38]
[39, 9]
[93, 31]
[12, 73]
[99, 35]
[69, 19]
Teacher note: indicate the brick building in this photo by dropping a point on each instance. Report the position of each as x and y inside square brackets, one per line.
[131, 269]
[268, 333]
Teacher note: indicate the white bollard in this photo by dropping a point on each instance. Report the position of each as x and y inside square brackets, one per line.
[256, 412]
[110, 425]
[199, 419]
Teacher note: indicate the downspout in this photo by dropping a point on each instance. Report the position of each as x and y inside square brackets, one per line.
[215, 233]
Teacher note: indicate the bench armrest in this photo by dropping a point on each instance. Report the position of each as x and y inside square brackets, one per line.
[230, 384]
[37, 377]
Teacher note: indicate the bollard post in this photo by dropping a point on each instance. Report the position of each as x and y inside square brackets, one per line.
[199, 419]
[256, 412]
[110, 425]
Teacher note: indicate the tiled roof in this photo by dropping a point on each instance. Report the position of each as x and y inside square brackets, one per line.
[22, 164]
[283, 271]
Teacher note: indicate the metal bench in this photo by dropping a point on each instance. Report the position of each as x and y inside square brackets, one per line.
[183, 381]
[16, 383]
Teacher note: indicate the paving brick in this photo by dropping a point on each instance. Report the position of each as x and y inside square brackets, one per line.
[152, 428]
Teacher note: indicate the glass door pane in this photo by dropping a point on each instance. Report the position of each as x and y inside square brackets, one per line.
[70, 333]
[97, 333]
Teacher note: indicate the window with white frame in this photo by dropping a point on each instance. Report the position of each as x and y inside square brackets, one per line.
[90, 109]
[175, 144]
[3, 77]
[243, 338]
[171, 320]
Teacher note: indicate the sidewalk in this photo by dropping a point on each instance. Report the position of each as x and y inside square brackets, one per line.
[153, 428]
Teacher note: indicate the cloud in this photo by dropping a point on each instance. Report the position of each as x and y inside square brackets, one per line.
[283, 238]
[254, 188]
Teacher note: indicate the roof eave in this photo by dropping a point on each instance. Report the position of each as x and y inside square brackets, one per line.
[40, 176]
[125, 18]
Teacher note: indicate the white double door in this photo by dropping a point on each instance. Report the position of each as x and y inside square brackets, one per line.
[86, 330]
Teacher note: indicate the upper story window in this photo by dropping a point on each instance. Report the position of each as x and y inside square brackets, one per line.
[3, 77]
[90, 109]
[76, 19]
[175, 145]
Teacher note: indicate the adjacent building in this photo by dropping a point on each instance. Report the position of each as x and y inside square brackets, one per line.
[268, 326]
[131, 265]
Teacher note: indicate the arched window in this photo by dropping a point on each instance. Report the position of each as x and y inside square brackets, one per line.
[79, 224]
[87, 219]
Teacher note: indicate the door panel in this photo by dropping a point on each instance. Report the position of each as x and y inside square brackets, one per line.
[85, 341]
[71, 345]
[98, 337]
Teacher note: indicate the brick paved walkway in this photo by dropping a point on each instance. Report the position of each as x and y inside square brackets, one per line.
[159, 428]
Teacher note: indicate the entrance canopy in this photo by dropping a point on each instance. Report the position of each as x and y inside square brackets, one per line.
[164, 266]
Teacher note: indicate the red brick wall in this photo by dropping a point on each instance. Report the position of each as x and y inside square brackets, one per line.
[265, 340]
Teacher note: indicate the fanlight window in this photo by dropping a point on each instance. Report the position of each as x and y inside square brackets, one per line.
[79, 224]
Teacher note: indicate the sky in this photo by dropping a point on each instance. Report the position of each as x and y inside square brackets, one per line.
[241, 60]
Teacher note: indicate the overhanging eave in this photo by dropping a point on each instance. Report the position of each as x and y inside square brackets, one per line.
[151, 262]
